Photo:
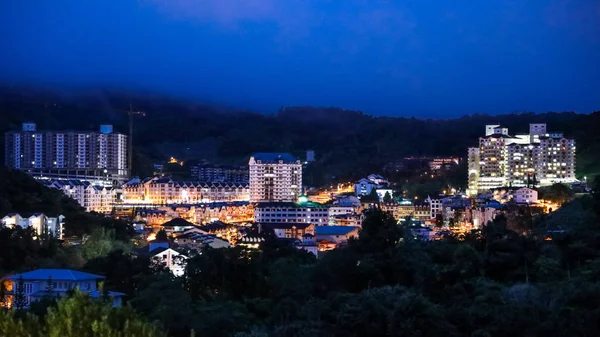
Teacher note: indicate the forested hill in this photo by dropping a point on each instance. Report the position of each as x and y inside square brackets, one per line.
[348, 144]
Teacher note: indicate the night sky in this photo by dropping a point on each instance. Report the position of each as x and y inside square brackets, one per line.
[411, 58]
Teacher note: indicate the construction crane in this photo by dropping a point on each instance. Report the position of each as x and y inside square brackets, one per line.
[131, 113]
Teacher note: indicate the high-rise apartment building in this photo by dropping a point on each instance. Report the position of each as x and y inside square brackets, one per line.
[538, 158]
[275, 177]
[69, 154]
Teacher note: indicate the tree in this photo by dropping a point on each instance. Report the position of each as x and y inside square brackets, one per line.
[161, 235]
[101, 242]
[557, 193]
[78, 315]
[439, 220]
[49, 286]
[20, 300]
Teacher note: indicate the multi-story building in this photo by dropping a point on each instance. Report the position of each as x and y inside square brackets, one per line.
[284, 212]
[275, 177]
[220, 173]
[71, 154]
[415, 212]
[41, 223]
[435, 207]
[536, 158]
[94, 198]
[163, 191]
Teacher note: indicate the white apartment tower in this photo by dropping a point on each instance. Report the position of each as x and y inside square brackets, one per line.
[275, 177]
[538, 158]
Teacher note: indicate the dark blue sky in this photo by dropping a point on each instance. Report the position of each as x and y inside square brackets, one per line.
[413, 57]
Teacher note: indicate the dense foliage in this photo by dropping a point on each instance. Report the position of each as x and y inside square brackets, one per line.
[77, 315]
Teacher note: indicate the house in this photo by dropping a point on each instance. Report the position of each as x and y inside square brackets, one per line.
[41, 283]
[346, 220]
[177, 225]
[251, 241]
[422, 233]
[197, 239]
[364, 187]
[38, 221]
[308, 243]
[336, 234]
[526, 195]
[161, 252]
[287, 230]
[377, 179]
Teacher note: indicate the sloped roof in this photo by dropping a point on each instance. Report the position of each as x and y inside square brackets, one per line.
[177, 222]
[55, 274]
[334, 230]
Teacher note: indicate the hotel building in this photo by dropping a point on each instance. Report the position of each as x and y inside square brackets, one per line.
[283, 212]
[275, 177]
[540, 158]
[164, 191]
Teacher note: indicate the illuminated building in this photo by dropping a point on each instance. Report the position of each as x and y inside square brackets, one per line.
[94, 198]
[538, 158]
[64, 281]
[289, 212]
[275, 177]
[164, 191]
[68, 154]
[39, 222]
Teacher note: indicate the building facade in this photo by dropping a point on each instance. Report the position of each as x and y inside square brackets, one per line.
[275, 177]
[289, 212]
[537, 158]
[94, 198]
[41, 223]
[68, 154]
[40, 283]
[162, 191]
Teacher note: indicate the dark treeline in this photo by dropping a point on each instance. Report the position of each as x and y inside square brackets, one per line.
[348, 144]
[489, 282]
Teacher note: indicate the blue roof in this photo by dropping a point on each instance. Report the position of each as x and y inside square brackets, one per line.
[274, 157]
[334, 230]
[55, 274]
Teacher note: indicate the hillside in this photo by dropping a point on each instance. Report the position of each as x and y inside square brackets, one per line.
[348, 144]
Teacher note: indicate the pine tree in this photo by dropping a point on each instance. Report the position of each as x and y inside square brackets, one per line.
[50, 286]
[20, 300]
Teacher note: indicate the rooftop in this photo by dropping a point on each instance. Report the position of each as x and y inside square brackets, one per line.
[178, 222]
[55, 274]
[334, 230]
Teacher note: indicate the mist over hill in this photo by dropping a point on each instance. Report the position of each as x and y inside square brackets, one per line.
[348, 144]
